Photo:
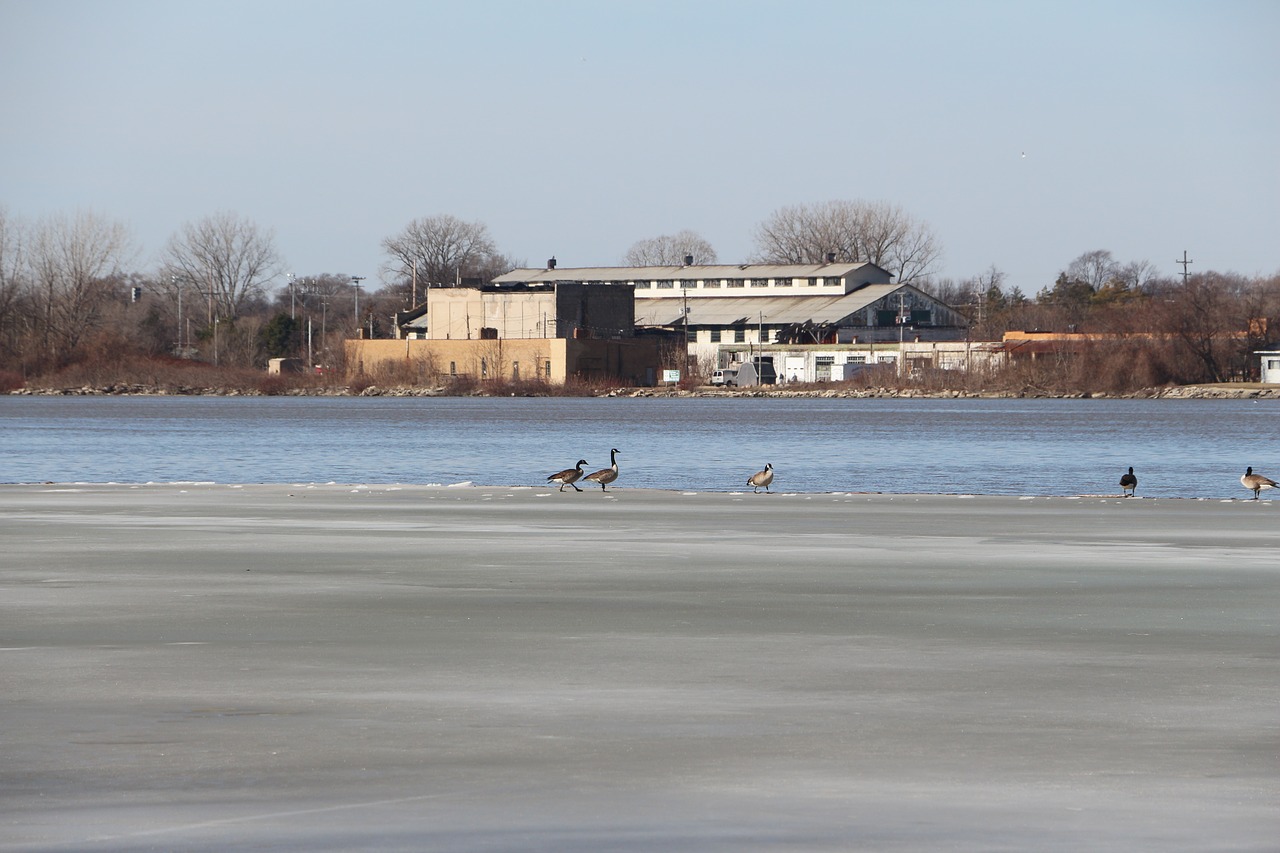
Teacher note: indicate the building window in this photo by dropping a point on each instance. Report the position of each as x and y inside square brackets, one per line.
[813, 282]
[759, 282]
[691, 334]
[515, 370]
[484, 369]
[782, 282]
[739, 336]
[822, 367]
[734, 282]
[548, 370]
[642, 285]
[453, 368]
[715, 282]
[665, 285]
[715, 336]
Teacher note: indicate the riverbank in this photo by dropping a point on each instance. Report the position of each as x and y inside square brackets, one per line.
[212, 667]
[1224, 391]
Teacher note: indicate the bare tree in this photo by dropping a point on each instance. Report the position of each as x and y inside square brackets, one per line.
[870, 232]
[1208, 315]
[70, 263]
[11, 278]
[439, 251]
[670, 250]
[1139, 276]
[225, 257]
[1096, 269]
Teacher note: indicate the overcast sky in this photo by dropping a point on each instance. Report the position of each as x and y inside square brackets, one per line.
[1023, 133]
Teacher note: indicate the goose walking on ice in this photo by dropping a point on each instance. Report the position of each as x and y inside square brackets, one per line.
[1256, 482]
[1128, 483]
[605, 476]
[569, 476]
[761, 478]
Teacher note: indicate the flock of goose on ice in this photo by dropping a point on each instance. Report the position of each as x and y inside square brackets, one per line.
[1255, 483]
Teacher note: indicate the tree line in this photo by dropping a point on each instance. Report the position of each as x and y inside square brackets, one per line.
[71, 291]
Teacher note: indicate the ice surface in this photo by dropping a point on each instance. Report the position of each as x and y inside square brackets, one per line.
[413, 668]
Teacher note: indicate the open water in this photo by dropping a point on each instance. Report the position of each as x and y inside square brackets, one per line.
[1179, 448]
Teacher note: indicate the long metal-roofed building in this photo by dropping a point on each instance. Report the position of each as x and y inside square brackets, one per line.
[768, 303]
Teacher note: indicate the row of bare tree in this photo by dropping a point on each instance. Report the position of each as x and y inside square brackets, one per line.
[69, 291]
[1202, 327]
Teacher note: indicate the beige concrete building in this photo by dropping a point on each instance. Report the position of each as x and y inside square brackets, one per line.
[542, 310]
[544, 332]
[550, 360]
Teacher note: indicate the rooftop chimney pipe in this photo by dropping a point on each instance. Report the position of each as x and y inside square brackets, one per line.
[551, 263]
[688, 260]
[831, 257]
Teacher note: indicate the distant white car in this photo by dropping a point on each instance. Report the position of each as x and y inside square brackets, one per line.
[725, 377]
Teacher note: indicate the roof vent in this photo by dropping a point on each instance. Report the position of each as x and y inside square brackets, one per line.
[688, 260]
[831, 257]
[551, 262]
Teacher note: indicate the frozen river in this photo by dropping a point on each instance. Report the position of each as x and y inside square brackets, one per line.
[203, 668]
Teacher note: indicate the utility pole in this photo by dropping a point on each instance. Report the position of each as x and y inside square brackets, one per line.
[178, 285]
[902, 322]
[1184, 263]
[292, 301]
[760, 363]
[355, 282]
[684, 368]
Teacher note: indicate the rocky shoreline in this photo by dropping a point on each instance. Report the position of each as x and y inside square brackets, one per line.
[1240, 391]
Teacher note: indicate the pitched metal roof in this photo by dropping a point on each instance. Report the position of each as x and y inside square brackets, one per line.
[692, 273]
[747, 310]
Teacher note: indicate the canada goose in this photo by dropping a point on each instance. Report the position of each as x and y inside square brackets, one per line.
[1256, 482]
[605, 476]
[761, 478]
[1128, 483]
[569, 476]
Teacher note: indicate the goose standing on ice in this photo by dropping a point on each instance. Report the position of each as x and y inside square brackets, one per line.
[1128, 483]
[605, 476]
[569, 476]
[761, 478]
[1256, 482]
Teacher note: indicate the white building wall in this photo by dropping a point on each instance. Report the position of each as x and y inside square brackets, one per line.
[1270, 371]
[827, 363]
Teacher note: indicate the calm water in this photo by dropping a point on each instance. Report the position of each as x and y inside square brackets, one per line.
[1179, 448]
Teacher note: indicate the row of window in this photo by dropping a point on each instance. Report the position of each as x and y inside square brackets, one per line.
[736, 282]
[730, 336]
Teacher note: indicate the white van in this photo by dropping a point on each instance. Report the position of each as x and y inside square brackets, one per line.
[729, 376]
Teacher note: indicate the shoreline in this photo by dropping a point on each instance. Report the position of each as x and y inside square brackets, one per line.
[1231, 391]
[612, 494]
